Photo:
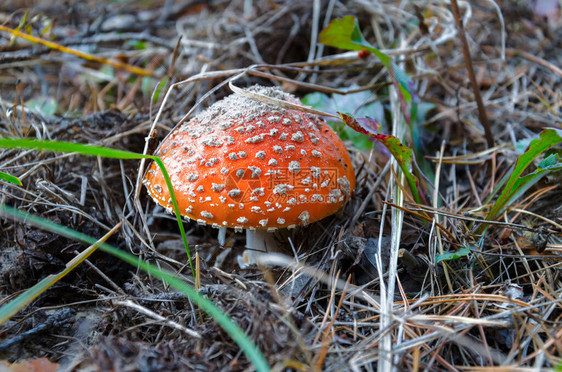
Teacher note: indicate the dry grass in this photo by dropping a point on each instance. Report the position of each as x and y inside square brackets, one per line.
[331, 305]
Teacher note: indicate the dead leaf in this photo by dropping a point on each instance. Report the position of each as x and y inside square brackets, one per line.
[33, 365]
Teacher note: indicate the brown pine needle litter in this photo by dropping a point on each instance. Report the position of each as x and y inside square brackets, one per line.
[386, 283]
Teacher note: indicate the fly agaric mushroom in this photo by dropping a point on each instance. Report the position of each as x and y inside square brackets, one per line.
[245, 164]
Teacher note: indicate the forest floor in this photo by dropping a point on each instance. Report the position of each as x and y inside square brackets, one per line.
[463, 292]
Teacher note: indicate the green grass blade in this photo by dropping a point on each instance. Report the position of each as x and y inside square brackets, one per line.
[523, 183]
[237, 334]
[59, 146]
[11, 308]
[515, 183]
[69, 147]
[548, 138]
[9, 178]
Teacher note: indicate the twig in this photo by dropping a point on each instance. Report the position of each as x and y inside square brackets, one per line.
[57, 320]
[528, 56]
[89, 57]
[468, 60]
[152, 314]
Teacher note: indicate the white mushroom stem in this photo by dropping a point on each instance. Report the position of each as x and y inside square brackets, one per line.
[222, 236]
[257, 240]
[263, 241]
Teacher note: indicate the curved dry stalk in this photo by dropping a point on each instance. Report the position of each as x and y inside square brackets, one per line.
[476, 90]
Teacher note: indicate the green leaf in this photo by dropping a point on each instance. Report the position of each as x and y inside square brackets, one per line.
[360, 104]
[67, 147]
[136, 44]
[344, 33]
[403, 156]
[45, 105]
[10, 178]
[447, 256]
[161, 85]
[549, 161]
[523, 144]
[318, 101]
[153, 89]
[234, 331]
[359, 140]
[405, 82]
[515, 184]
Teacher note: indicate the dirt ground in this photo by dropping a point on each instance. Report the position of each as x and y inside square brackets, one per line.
[325, 306]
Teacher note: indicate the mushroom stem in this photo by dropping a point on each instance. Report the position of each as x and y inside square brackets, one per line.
[222, 236]
[263, 241]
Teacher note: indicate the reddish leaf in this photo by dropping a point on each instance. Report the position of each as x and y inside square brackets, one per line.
[366, 125]
[401, 153]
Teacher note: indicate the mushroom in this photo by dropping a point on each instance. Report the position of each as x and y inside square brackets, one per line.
[245, 164]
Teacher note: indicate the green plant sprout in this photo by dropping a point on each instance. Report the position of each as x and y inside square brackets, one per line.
[515, 183]
[9, 178]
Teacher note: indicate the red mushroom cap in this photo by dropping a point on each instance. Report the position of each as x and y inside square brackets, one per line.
[246, 164]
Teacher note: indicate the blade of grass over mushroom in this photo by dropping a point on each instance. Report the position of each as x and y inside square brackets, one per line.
[11, 308]
[344, 33]
[515, 184]
[69, 147]
[49, 44]
[234, 331]
[9, 178]
[401, 153]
